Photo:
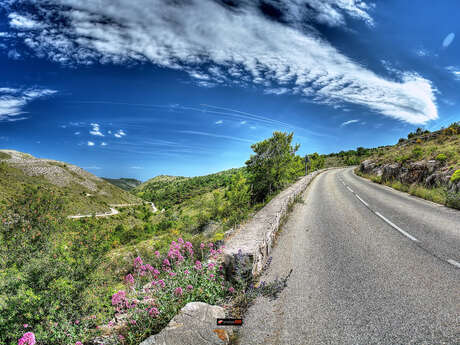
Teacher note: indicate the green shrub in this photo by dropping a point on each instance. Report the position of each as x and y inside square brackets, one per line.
[417, 153]
[453, 200]
[441, 157]
[456, 176]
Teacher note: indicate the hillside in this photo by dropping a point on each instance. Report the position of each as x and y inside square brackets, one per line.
[166, 191]
[425, 164]
[126, 184]
[81, 191]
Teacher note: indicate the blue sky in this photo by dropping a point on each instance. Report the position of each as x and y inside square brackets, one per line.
[138, 88]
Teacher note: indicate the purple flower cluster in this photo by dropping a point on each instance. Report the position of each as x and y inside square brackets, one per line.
[27, 339]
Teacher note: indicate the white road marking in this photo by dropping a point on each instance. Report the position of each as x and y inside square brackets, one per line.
[351, 190]
[365, 203]
[453, 262]
[397, 228]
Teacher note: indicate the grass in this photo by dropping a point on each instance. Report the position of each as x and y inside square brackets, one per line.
[438, 195]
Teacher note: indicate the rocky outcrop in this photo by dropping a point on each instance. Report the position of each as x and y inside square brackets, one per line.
[194, 325]
[429, 173]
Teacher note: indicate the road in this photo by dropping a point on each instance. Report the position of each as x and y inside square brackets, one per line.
[370, 265]
[112, 212]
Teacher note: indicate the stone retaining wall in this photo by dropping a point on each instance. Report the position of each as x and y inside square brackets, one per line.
[252, 243]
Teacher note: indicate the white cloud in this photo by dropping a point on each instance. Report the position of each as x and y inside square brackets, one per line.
[241, 43]
[20, 22]
[13, 101]
[77, 133]
[120, 133]
[14, 54]
[455, 71]
[277, 91]
[96, 130]
[243, 122]
[219, 122]
[103, 143]
[90, 143]
[349, 122]
[448, 40]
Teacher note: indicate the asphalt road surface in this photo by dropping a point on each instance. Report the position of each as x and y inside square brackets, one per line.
[370, 265]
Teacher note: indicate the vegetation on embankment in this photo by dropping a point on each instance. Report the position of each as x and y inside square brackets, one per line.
[58, 277]
[426, 164]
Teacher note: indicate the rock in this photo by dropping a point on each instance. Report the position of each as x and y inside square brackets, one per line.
[195, 324]
[391, 171]
[367, 166]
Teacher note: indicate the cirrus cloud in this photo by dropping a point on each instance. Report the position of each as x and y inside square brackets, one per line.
[242, 45]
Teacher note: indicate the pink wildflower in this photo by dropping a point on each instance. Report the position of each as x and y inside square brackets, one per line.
[154, 312]
[198, 265]
[157, 253]
[161, 282]
[129, 279]
[118, 297]
[149, 267]
[211, 276]
[78, 343]
[132, 322]
[189, 287]
[138, 262]
[156, 272]
[202, 245]
[186, 272]
[178, 291]
[27, 339]
[77, 322]
[211, 245]
[172, 274]
[211, 265]
[121, 337]
[188, 244]
[25, 325]
[166, 262]
[180, 240]
[231, 289]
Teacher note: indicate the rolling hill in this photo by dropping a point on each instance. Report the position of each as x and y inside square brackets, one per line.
[123, 183]
[81, 191]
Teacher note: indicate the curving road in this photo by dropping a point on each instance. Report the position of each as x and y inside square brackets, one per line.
[371, 265]
[112, 212]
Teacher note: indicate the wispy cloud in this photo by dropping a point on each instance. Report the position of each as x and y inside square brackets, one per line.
[289, 56]
[455, 71]
[219, 122]
[13, 101]
[96, 130]
[91, 143]
[448, 40]
[77, 133]
[103, 143]
[206, 134]
[349, 122]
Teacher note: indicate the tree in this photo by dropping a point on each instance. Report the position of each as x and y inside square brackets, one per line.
[273, 165]
[239, 197]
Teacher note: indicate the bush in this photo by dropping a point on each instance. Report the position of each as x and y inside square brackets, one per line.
[441, 157]
[273, 166]
[417, 153]
[453, 200]
[155, 292]
[456, 176]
